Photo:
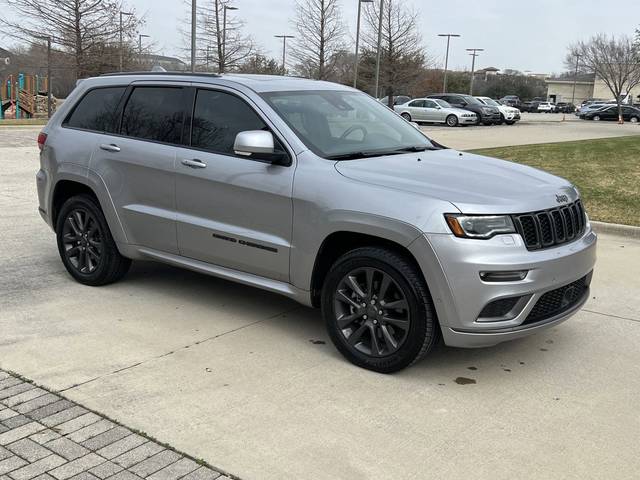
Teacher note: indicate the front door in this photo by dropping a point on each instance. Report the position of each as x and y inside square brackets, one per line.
[432, 112]
[232, 211]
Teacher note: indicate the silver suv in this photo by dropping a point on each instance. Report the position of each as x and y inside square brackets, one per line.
[318, 192]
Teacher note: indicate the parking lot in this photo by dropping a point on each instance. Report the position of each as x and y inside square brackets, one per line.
[533, 128]
[249, 381]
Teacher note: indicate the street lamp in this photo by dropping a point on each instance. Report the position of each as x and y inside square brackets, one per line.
[355, 69]
[121, 28]
[379, 46]
[284, 51]
[446, 59]
[223, 62]
[474, 54]
[140, 37]
[193, 35]
[48, 39]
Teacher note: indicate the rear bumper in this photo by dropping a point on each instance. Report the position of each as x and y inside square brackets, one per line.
[452, 269]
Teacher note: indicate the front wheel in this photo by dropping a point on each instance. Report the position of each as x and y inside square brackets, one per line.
[633, 119]
[596, 118]
[511, 122]
[452, 121]
[85, 244]
[406, 116]
[378, 310]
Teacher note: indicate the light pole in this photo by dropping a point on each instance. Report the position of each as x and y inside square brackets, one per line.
[474, 53]
[48, 39]
[355, 68]
[575, 79]
[379, 47]
[140, 37]
[446, 58]
[284, 51]
[224, 37]
[121, 42]
[193, 36]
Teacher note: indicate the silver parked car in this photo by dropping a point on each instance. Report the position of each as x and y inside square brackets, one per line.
[435, 111]
[318, 192]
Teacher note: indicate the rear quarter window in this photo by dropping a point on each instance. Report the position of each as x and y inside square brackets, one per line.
[97, 110]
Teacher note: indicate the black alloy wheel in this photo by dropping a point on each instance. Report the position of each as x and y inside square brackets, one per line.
[82, 241]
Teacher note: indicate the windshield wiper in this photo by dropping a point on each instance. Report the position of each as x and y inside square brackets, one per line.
[416, 148]
[364, 154]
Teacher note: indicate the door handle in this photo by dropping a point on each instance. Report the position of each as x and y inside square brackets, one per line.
[110, 147]
[195, 163]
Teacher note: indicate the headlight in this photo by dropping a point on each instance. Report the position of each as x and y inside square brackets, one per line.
[487, 110]
[479, 226]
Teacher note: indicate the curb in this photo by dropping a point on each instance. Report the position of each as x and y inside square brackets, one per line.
[616, 229]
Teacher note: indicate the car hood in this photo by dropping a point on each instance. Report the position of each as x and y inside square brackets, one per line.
[457, 111]
[473, 183]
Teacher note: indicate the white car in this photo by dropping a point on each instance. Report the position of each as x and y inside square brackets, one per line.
[547, 107]
[433, 110]
[510, 115]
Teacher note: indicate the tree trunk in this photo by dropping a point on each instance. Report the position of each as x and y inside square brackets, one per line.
[620, 116]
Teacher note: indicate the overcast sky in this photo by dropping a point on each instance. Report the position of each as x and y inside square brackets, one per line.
[521, 34]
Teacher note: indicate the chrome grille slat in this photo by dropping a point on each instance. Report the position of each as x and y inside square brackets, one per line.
[548, 228]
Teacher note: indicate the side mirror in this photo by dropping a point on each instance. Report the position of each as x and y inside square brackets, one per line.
[260, 145]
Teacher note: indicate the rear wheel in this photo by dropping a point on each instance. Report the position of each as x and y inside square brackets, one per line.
[406, 116]
[378, 310]
[452, 121]
[596, 118]
[85, 244]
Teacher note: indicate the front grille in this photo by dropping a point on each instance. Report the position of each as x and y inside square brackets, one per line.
[552, 227]
[558, 301]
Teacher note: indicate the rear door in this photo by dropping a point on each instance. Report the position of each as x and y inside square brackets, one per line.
[416, 108]
[137, 163]
[233, 211]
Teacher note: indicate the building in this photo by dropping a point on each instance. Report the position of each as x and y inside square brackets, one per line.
[171, 64]
[487, 72]
[587, 87]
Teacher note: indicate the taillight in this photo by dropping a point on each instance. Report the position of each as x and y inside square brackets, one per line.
[42, 139]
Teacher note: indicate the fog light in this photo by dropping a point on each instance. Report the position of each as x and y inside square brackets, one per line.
[513, 276]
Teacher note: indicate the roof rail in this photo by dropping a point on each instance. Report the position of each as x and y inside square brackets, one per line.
[184, 74]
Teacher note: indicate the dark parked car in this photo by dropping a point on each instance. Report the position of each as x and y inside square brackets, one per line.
[564, 107]
[629, 114]
[486, 114]
[530, 107]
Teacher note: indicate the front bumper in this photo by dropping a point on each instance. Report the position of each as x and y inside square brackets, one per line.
[491, 118]
[452, 268]
[468, 120]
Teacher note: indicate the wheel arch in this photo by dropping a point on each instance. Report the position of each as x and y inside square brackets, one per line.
[340, 242]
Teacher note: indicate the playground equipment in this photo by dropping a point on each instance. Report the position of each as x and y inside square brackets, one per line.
[21, 96]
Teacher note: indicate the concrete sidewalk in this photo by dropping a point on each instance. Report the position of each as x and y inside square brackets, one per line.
[249, 382]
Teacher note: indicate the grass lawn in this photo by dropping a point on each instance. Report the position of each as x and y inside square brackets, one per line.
[8, 122]
[607, 172]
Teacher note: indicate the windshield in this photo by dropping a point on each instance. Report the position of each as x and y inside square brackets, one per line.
[345, 124]
[490, 102]
[471, 100]
[442, 103]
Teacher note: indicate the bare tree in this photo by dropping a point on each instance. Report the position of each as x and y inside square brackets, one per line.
[81, 28]
[260, 64]
[220, 45]
[320, 37]
[403, 56]
[615, 61]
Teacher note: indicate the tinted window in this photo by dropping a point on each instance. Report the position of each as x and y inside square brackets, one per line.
[154, 113]
[97, 110]
[430, 104]
[417, 103]
[218, 118]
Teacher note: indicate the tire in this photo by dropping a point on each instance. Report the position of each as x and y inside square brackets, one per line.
[405, 286]
[510, 122]
[502, 119]
[596, 118]
[634, 119]
[81, 228]
[406, 116]
[452, 121]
